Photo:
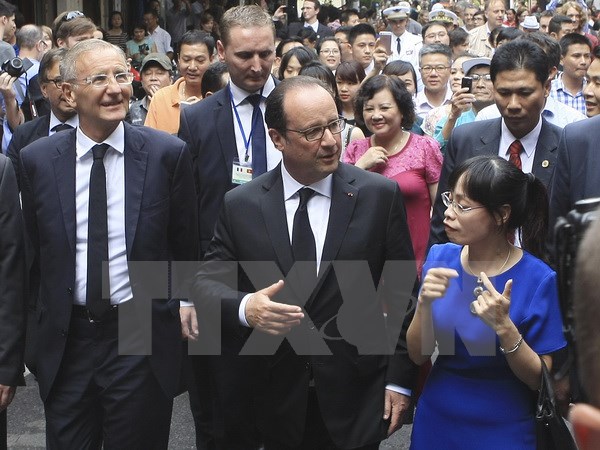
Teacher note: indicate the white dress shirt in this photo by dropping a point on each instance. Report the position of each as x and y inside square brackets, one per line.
[114, 163]
[73, 121]
[244, 110]
[529, 142]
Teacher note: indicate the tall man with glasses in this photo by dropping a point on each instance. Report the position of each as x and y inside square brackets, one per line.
[333, 372]
[519, 71]
[97, 201]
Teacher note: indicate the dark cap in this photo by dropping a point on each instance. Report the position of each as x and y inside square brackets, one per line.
[160, 58]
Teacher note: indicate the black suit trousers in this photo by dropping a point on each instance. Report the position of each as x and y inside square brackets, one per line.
[103, 398]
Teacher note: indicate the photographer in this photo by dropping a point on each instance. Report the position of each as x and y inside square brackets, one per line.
[16, 76]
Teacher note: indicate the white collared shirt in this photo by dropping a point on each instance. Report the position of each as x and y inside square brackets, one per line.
[422, 105]
[114, 163]
[244, 110]
[73, 121]
[529, 142]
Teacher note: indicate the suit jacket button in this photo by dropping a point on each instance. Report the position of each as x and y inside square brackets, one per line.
[307, 366]
[69, 291]
[63, 333]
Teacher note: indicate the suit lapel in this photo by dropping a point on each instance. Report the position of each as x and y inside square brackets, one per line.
[136, 159]
[273, 210]
[343, 201]
[545, 154]
[64, 171]
[225, 129]
[490, 139]
[42, 128]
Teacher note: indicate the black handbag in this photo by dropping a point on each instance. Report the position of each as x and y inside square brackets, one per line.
[551, 430]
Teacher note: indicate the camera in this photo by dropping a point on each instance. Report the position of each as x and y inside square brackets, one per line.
[568, 233]
[144, 48]
[16, 66]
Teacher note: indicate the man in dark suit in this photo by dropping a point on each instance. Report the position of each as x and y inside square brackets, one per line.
[315, 386]
[62, 116]
[12, 290]
[109, 347]
[519, 71]
[310, 12]
[227, 136]
[576, 174]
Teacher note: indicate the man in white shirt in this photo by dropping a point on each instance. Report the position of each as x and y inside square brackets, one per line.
[435, 62]
[161, 37]
[405, 46]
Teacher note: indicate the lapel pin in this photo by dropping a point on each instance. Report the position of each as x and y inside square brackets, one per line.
[545, 163]
[349, 194]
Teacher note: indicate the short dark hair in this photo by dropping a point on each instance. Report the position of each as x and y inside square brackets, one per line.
[458, 36]
[307, 33]
[547, 43]
[573, 39]
[350, 72]
[194, 37]
[152, 12]
[495, 182]
[556, 22]
[508, 34]
[327, 39]
[275, 116]
[359, 29]
[345, 15]
[521, 55]
[547, 13]
[283, 42]
[378, 83]
[317, 3]
[400, 68]
[316, 69]
[49, 60]
[212, 80]
[302, 54]
[7, 9]
[344, 29]
[596, 52]
[428, 25]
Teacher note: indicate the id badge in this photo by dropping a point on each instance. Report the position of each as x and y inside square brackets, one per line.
[241, 172]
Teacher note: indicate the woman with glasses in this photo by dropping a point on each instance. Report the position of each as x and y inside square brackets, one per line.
[491, 309]
[329, 52]
[386, 108]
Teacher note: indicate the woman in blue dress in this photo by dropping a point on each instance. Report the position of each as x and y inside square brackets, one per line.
[491, 308]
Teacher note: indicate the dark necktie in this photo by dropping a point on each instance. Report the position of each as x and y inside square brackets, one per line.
[398, 46]
[97, 244]
[259, 138]
[61, 127]
[514, 153]
[303, 240]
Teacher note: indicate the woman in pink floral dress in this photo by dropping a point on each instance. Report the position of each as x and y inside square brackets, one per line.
[386, 108]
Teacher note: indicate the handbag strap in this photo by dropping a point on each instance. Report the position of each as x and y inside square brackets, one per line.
[546, 400]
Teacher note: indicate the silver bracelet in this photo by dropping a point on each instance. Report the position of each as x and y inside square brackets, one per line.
[515, 348]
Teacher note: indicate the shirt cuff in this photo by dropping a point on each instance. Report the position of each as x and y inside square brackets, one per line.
[242, 311]
[183, 303]
[398, 389]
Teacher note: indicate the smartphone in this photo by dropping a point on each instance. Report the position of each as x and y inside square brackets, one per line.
[467, 82]
[385, 41]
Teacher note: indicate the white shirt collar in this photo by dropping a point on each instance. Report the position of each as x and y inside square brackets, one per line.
[116, 140]
[291, 186]
[529, 141]
[239, 95]
[73, 121]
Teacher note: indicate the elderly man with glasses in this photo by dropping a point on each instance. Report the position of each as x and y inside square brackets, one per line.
[97, 200]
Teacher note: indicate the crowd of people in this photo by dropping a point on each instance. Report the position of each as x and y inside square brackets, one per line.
[289, 216]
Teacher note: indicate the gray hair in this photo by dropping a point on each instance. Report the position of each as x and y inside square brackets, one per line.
[29, 35]
[438, 49]
[68, 66]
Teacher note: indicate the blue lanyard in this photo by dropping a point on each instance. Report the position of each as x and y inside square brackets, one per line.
[239, 121]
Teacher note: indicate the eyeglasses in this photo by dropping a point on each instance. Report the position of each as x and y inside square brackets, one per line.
[317, 133]
[441, 34]
[438, 69]
[102, 80]
[476, 77]
[57, 82]
[330, 51]
[457, 207]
